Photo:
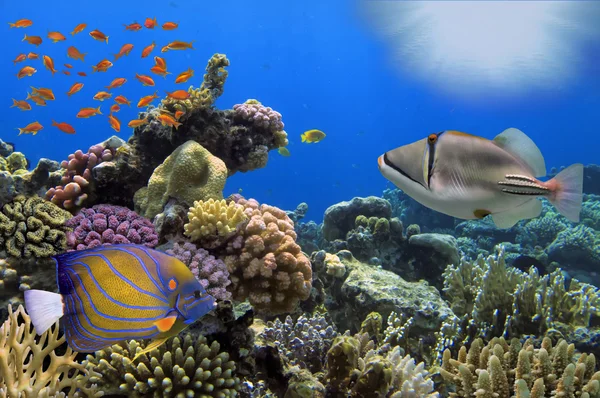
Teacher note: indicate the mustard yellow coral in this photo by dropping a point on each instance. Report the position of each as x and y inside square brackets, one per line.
[213, 221]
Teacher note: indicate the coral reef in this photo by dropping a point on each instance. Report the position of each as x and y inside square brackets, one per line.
[255, 113]
[340, 218]
[32, 227]
[106, 224]
[211, 272]
[213, 222]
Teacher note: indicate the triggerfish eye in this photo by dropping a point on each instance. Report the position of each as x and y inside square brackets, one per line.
[432, 138]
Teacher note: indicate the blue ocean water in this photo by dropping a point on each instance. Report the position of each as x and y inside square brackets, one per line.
[316, 62]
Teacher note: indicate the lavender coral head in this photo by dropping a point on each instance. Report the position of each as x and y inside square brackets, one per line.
[211, 272]
[106, 224]
[259, 115]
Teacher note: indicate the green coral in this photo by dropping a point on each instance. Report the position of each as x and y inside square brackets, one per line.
[33, 227]
[179, 368]
[14, 163]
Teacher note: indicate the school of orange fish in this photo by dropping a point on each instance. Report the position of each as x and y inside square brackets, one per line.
[39, 96]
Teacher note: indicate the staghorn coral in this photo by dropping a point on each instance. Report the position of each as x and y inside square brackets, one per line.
[190, 173]
[213, 222]
[211, 272]
[106, 224]
[504, 370]
[265, 263]
[32, 227]
[255, 113]
[31, 367]
[183, 367]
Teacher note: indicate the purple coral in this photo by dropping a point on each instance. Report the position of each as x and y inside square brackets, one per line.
[73, 191]
[106, 224]
[211, 272]
[259, 115]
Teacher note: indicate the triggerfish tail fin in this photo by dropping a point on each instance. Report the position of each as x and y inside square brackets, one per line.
[44, 308]
[154, 344]
[567, 191]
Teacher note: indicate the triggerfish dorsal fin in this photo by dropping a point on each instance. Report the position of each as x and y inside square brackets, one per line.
[152, 345]
[518, 144]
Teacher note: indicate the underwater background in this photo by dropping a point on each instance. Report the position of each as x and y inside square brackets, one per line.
[310, 273]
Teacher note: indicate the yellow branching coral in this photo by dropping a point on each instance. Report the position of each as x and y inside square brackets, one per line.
[180, 368]
[30, 366]
[33, 227]
[212, 222]
[503, 370]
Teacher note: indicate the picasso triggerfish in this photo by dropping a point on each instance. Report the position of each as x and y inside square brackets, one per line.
[113, 293]
[470, 177]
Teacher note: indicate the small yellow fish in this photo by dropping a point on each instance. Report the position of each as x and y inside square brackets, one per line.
[312, 136]
[283, 151]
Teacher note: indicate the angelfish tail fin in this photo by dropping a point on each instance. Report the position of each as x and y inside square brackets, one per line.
[44, 308]
[567, 191]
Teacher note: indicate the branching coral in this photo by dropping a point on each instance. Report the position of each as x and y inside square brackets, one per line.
[30, 366]
[32, 227]
[180, 368]
[106, 225]
[213, 222]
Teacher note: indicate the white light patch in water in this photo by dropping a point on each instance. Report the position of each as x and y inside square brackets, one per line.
[471, 47]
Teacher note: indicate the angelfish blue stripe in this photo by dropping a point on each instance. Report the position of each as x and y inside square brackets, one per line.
[133, 307]
[158, 268]
[133, 285]
[143, 264]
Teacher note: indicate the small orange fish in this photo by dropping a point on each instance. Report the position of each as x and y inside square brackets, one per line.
[150, 23]
[160, 62]
[179, 114]
[64, 127]
[74, 53]
[147, 50]
[22, 105]
[115, 108]
[75, 88]
[178, 95]
[56, 37]
[20, 58]
[82, 74]
[102, 66]
[39, 101]
[102, 95]
[145, 80]
[167, 120]
[49, 64]
[32, 128]
[97, 35]
[69, 66]
[33, 56]
[170, 26]
[120, 99]
[66, 72]
[21, 23]
[181, 45]
[118, 82]
[134, 27]
[184, 76]
[45, 93]
[85, 113]
[147, 100]
[125, 50]
[78, 29]
[157, 70]
[26, 71]
[114, 123]
[137, 122]
[35, 40]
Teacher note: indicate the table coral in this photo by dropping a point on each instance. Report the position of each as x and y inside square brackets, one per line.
[106, 224]
[183, 367]
[32, 227]
[211, 272]
[213, 222]
[31, 367]
[265, 263]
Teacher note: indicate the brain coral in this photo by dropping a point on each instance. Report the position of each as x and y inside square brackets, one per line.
[266, 264]
[32, 227]
[106, 224]
[190, 173]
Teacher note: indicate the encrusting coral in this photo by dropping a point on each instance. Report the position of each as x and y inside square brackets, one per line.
[183, 367]
[32, 227]
[213, 222]
[31, 367]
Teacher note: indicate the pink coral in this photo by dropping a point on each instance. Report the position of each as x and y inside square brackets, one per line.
[106, 224]
[73, 191]
[259, 115]
[211, 272]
